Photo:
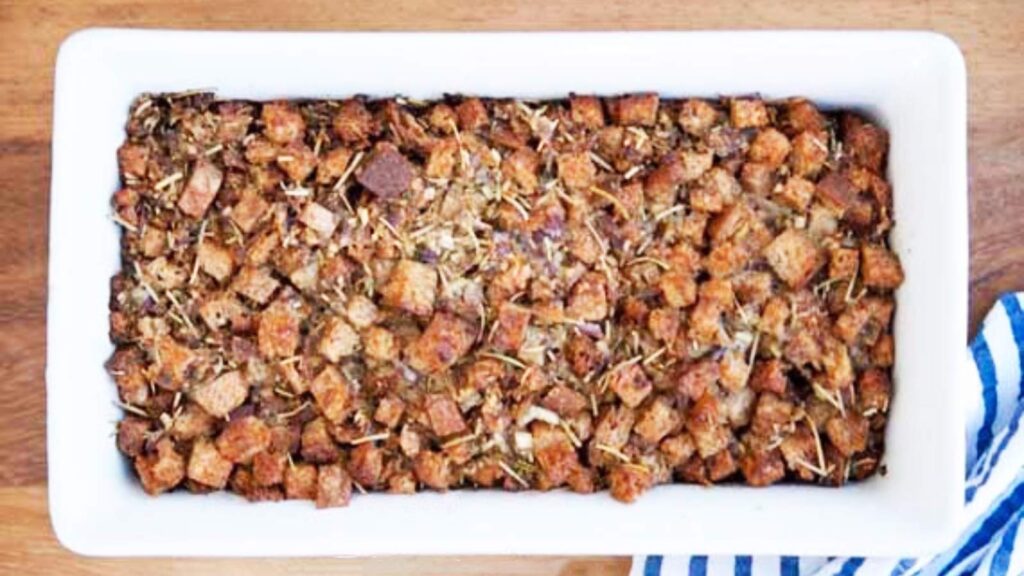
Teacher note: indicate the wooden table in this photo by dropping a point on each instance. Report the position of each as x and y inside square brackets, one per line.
[990, 33]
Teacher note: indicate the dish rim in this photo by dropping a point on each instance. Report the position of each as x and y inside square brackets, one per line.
[70, 524]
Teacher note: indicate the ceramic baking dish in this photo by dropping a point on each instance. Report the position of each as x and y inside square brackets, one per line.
[913, 83]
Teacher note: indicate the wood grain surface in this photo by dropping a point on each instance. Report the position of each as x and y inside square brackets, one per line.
[990, 33]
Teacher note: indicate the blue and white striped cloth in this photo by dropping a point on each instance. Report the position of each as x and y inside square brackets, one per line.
[994, 498]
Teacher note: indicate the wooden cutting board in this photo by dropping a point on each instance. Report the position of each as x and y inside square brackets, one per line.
[990, 33]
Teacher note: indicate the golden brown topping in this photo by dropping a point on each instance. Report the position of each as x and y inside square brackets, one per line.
[597, 293]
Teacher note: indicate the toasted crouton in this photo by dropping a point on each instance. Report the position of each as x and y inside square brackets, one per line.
[770, 147]
[664, 324]
[810, 151]
[586, 111]
[221, 310]
[836, 192]
[630, 384]
[161, 470]
[655, 422]
[243, 438]
[380, 343]
[678, 289]
[446, 339]
[471, 114]
[300, 482]
[696, 117]
[693, 380]
[278, 334]
[796, 193]
[333, 165]
[874, 390]
[884, 351]
[131, 435]
[386, 173]
[215, 260]
[628, 482]
[762, 468]
[365, 464]
[432, 469]
[444, 415]
[389, 411]
[634, 109]
[748, 113]
[223, 394]
[353, 123]
[564, 401]
[794, 257]
[202, 188]
[583, 354]
[512, 323]
[176, 363]
[677, 449]
[706, 423]
[802, 115]
[207, 466]
[316, 444]
[256, 284]
[576, 170]
[268, 468]
[443, 158]
[588, 299]
[843, 263]
[319, 219]
[412, 287]
[297, 161]
[614, 427]
[715, 189]
[769, 376]
[880, 268]
[282, 123]
[132, 159]
[521, 167]
[849, 434]
[867, 145]
[332, 394]
[165, 275]
[333, 486]
[555, 454]
[338, 340]
[757, 178]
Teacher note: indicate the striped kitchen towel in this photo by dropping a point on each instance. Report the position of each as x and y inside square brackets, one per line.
[994, 498]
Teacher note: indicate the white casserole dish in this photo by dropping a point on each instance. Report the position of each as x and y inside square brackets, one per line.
[913, 83]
